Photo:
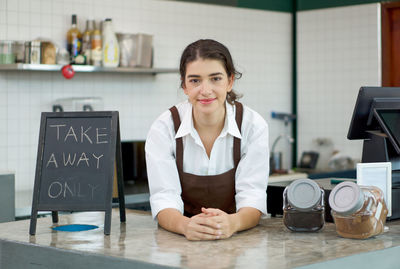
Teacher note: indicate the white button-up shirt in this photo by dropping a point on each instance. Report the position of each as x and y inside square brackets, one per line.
[251, 177]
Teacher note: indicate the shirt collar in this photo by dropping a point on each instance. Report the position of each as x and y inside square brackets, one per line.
[186, 126]
[230, 125]
[230, 122]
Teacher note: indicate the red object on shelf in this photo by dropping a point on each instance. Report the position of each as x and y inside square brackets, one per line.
[67, 71]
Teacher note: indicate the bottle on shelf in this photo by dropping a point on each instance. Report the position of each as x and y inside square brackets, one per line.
[96, 56]
[110, 45]
[87, 42]
[74, 41]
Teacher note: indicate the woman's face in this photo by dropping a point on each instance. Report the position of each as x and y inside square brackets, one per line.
[206, 84]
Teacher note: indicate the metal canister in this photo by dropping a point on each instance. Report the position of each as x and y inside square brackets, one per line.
[32, 52]
[136, 50]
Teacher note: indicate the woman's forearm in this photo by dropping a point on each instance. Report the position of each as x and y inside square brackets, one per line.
[172, 220]
[245, 218]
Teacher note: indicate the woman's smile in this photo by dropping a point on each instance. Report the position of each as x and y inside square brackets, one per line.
[207, 101]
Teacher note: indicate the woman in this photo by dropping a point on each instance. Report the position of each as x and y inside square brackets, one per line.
[207, 158]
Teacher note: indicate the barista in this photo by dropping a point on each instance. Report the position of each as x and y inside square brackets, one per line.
[207, 157]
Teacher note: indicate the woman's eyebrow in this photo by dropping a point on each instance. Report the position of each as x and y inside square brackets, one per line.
[210, 75]
[215, 74]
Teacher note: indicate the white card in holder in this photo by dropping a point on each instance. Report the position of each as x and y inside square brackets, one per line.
[379, 175]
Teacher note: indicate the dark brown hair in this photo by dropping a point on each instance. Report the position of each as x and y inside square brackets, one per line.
[210, 49]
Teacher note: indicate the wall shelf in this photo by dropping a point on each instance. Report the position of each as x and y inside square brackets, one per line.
[85, 68]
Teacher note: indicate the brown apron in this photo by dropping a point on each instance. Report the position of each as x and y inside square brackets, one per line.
[217, 191]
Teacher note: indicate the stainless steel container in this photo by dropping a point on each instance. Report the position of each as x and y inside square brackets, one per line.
[6, 52]
[32, 52]
[136, 50]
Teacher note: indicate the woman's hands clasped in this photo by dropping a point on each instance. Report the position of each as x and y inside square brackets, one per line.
[211, 224]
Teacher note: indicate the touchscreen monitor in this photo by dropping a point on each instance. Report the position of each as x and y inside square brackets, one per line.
[359, 125]
[390, 121]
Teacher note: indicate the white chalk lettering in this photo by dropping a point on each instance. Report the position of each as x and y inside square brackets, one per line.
[93, 188]
[52, 159]
[74, 159]
[100, 134]
[71, 132]
[69, 161]
[79, 191]
[98, 159]
[69, 189]
[56, 183]
[58, 129]
[83, 158]
[83, 133]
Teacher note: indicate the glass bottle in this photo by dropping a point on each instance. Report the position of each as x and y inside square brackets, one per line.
[96, 54]
[358, 211]
[74, 40]
[86, 41]
[110, 45]
[303, 206]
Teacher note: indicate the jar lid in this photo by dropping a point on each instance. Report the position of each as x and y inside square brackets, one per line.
[303, 194]
[346, 198]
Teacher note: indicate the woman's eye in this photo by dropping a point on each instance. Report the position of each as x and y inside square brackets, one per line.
[216, 78]
[195, 81]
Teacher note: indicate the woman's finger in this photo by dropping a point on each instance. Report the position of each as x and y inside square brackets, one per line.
[207, 230]
[205, 225]
[208, 212]
[218, 219]
[214, 211]
[205, 236]
[199, 235]
[210, 222]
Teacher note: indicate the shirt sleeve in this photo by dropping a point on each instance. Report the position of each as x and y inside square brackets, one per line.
[253, 169]
[162, 173]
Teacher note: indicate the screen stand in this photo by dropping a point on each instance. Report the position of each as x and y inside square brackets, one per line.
[377, 148]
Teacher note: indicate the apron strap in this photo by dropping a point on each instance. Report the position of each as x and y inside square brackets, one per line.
[178, 141]
[236, 141]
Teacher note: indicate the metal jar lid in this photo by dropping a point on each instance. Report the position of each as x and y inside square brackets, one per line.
[346, 198]
[303, 194]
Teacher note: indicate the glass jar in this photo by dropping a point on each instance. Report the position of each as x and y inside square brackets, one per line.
[358, 211]
[32, 52]
[6, 52]
[303, 206]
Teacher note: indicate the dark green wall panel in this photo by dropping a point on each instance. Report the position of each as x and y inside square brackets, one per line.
[275, 5]
[213, 2]
[317, 4]
[286, 5]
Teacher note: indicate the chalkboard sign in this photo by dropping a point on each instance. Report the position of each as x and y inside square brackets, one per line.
[77, 155]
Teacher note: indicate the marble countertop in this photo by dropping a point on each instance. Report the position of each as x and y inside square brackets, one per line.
[269, 245]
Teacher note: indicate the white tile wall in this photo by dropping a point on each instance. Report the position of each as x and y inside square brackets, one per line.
[338, 52]
[260, 42]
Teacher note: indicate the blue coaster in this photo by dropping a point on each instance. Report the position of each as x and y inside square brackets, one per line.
[75, 227]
